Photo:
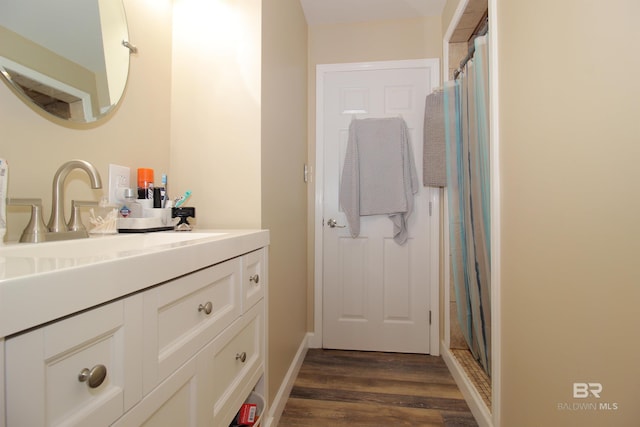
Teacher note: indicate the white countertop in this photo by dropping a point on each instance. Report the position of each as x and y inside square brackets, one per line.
[46, 281]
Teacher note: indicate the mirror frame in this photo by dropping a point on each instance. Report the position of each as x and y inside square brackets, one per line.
[79, 97]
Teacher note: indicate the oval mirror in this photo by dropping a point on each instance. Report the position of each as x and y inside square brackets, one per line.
[69, 58]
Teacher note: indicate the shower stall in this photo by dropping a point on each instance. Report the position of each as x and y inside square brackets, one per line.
[468, 218]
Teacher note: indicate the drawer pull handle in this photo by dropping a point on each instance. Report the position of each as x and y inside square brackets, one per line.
[207, 308]
[255, 278]
[94, 377]
[241, 356]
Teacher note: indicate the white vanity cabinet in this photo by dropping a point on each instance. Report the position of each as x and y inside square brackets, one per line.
[232, 364]
[80, 371]
[204, 345]
[255, 273]
[181, 316]
[175, 402]
[184, 352]
[2, 419]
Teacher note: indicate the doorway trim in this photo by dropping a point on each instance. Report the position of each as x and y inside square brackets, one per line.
[485, 419]
[315, 338]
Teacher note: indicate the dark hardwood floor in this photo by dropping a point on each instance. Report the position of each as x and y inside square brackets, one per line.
[338, 388]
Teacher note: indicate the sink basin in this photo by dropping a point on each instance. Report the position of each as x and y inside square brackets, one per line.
[102, 246]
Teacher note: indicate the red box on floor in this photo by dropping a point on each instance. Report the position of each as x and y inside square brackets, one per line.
[247, 414]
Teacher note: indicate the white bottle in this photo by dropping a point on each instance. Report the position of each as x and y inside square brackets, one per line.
[130, 208]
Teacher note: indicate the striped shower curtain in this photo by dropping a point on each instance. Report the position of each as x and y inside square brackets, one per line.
[466, 103]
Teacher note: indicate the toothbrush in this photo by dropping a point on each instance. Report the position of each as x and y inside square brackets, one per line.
[166, 190]
[183, 199]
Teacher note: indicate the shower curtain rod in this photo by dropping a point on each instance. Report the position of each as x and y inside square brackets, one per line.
[472, 49]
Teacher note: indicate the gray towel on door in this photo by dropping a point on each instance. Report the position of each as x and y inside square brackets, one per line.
[434, 172]
[379, 174]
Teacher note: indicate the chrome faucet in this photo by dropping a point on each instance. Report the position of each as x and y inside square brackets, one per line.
[56, 221]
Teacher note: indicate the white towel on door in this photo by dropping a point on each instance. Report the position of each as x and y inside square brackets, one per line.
[379, 174]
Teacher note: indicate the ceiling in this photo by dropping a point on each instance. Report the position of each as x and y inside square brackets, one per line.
[320, 12]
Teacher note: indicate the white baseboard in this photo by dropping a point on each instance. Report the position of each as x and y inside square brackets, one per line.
[280, 401]
[474, 400]
[315, 341]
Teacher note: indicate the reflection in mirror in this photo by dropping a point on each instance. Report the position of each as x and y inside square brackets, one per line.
[69, 58]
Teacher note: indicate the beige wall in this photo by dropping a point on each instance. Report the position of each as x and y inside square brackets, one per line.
[376, 41]
[361, 42]
[138, 134]
[570, 144]
[215, 110]
[284, 152]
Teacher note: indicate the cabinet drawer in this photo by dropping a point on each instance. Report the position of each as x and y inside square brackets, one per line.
[43, 368]
[235, 357]
[181, 316]
[254, 280]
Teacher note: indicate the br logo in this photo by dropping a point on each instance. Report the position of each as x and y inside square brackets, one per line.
[584, 390]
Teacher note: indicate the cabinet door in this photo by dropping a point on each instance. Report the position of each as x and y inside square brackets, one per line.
[2, 402]
[171, 404]
[80, 371]
[182, 315]
[232, 364]
[254, 280]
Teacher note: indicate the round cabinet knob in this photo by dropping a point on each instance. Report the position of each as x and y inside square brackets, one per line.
[255, 279]
[207, 308]
[241, 356]
[94, 377]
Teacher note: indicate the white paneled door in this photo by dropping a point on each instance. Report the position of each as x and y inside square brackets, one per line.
[376, 293]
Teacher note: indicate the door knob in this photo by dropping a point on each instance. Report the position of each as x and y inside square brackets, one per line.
[334, 224]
